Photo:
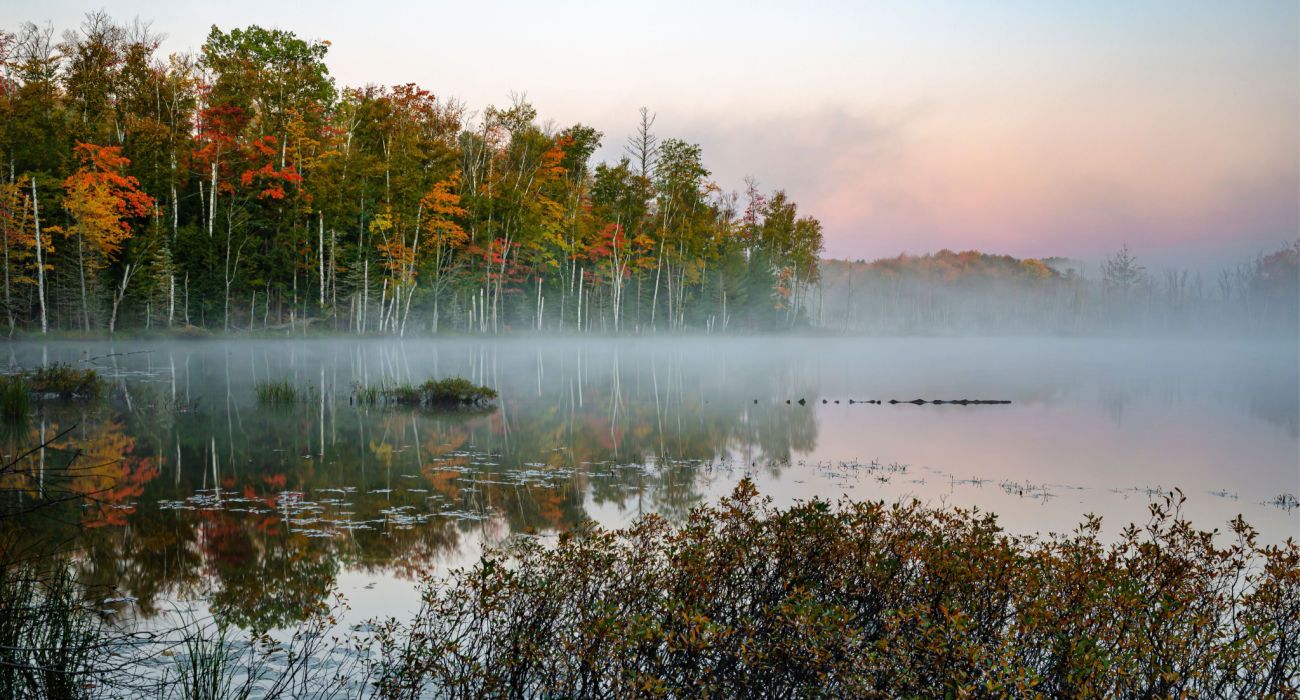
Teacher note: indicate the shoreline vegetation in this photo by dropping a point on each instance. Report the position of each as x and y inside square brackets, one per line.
[451, 392]
[433, 393]
[57, 381]
[239, 188]
[851, 599]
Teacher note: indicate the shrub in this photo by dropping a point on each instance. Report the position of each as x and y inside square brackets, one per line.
[859, 600]
[454, 390]
[191, 332]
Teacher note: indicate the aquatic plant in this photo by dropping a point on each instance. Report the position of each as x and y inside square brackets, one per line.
[217, 661]
[207, 666]
[858, 600]
[279, 393]
[53, 381]
[15, 398]
[454, 390]
[62, 380]
[450, 392]
[52, 642]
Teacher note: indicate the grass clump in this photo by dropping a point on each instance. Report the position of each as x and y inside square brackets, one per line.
[281, 393]
[62, 380]
[55, 381]
[52, 642]
[859, 600]
[15, 398]
[454, 390]
[434, 393]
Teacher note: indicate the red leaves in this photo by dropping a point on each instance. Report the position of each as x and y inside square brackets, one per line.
[271, 179]
[102, 199]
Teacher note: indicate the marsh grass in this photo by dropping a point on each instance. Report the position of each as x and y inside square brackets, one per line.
[62, 380]
[214, 661]
[279, 393]
[52, 642]
[434, 393]
[211, 665]
[53, 381]
[19, 391]
[15, 398]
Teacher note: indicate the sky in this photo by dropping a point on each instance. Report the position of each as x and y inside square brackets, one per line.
[1032, 129]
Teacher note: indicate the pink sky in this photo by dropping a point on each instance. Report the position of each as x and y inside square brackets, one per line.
[1027, 128]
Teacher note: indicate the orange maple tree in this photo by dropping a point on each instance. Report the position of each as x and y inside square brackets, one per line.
[102, 199]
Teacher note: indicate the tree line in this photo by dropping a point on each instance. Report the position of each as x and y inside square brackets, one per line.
[973, 292]
[240, 188]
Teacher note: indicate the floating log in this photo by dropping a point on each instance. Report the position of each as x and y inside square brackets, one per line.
[914, 402]
[953, 402]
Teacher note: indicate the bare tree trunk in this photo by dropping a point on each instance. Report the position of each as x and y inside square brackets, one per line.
[539, 303]
[212, 202]
[9, 307]
[81, 265]
[365, 296]
[231, 271]
[40, 260]
[118, 296]
[654, 300]
[320, 249]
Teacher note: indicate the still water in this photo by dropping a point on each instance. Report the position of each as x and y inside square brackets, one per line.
[200, 494]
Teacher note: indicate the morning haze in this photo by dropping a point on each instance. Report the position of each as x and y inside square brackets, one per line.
[434, 350]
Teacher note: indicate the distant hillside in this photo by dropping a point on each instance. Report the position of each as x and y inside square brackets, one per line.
[973, 291]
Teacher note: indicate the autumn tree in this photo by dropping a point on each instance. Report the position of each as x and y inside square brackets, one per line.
[102, 201]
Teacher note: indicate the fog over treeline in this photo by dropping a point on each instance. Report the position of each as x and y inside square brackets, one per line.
[982, 293]
[241, 189]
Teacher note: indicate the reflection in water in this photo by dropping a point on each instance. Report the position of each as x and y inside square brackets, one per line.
[195, 491]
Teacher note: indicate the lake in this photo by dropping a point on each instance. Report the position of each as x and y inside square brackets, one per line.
[201, 497]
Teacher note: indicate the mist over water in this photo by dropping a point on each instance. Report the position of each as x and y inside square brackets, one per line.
[260, 509]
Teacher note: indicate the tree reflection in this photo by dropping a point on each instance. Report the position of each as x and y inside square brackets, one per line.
[189, 488]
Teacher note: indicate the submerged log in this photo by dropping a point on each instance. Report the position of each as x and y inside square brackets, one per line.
[915, 402]
[953, 402]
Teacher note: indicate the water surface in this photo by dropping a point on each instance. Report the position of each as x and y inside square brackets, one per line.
[200, 494]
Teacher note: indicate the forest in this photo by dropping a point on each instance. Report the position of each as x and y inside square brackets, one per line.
[241, 188]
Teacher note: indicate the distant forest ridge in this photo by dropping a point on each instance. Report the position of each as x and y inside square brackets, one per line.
[239, 188]
[973, 291]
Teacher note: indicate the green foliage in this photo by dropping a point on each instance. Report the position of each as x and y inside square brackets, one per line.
[433, 393]
[15, 398]
[58, 381]
[64, 381]
[454, 390]
[281, 393]
[859, 600]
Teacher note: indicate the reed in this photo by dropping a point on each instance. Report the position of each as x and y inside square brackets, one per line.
[52, 642]
[15, 398]
[278, 393]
